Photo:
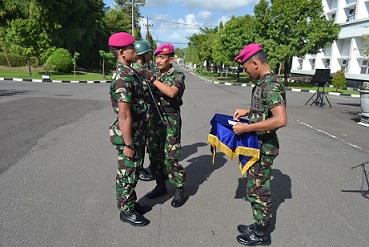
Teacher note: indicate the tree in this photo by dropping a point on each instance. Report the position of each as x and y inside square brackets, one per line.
[22, 37]
[364, 50]
[74, 60]
[230, 40]
[203, 42]
[339, 79]
[126, 7]
[73, 25]
[151, 41]
[105, 56]
[285, 33]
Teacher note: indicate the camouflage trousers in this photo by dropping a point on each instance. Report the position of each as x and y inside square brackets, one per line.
[127, 177]
[165, 149]
[258, 190]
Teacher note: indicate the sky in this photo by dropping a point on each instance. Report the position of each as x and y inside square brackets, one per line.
[171, 21]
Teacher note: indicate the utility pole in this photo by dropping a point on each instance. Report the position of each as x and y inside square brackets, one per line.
[148, 26]
[133, 19]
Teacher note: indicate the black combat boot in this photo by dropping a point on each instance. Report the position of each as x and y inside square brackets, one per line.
[160, 189]
[134, 218]
[179, 198]
[247, 228]
[259, 236]
[145, 174]
[142, 209]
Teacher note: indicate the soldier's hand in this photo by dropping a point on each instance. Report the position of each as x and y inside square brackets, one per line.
[129, 152]
[239, 128]
[152, 79]
[147, 75]
[240, 113]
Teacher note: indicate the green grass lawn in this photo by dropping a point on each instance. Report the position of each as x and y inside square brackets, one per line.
[36, 73]
[245, 79]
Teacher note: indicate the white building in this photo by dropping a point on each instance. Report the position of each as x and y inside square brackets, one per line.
[344, 53]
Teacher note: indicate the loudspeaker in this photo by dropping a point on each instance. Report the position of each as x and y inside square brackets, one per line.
[321, 76]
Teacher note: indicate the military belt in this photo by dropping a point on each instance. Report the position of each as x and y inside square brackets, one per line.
[170, 109]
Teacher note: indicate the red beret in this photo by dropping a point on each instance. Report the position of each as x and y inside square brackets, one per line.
[164, 49]
[247, 52]
[122, 39]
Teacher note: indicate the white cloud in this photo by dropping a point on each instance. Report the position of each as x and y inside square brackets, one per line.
[224, 19]
[216, 5]
[204, 15]
[192, 13]
[209, 5]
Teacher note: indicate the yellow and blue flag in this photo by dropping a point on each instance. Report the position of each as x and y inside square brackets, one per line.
[246, 145]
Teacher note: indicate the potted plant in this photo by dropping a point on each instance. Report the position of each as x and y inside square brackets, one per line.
[364, 104]
[364, 100]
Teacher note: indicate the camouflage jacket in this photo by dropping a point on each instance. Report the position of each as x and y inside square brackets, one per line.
[172, 77]
[146, 75]
[126, 86]
[268, 93]
[142, 70]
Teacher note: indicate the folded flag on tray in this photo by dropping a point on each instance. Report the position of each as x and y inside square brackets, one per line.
[246, 145]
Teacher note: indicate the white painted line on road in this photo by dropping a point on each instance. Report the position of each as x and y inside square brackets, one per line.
[330, 135]
[333, 93]
[295, 90]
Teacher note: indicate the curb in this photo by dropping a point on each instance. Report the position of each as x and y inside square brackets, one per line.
[207, 80]
[53, 81]
[288, 89]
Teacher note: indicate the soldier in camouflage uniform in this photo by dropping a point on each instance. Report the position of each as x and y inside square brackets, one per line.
[142, 66]
[267, 114]
[165, 129]
[128, 131]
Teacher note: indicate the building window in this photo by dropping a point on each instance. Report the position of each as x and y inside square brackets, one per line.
[300, 61]
[327, 63]
[312, 63]
[351, 15]
[343, 64]
[364, 67]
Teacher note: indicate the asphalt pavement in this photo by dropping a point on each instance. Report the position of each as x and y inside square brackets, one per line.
[57, 172]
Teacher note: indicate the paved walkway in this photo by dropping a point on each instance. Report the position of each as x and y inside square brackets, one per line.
[59, 189]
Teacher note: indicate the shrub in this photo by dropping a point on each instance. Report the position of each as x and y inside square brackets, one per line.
[46, 54]
[339, 79]
[60, 61]
[16, 60]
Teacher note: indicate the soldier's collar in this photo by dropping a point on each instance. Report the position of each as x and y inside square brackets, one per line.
[170, 70]
[264, 77]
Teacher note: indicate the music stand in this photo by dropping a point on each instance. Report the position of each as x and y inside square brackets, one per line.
[363, 192]
[321, 77]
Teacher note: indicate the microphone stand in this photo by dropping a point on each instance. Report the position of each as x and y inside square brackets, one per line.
[363, 193]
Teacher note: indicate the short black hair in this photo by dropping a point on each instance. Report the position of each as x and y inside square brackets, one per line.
[115, 52]
[261, 56]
